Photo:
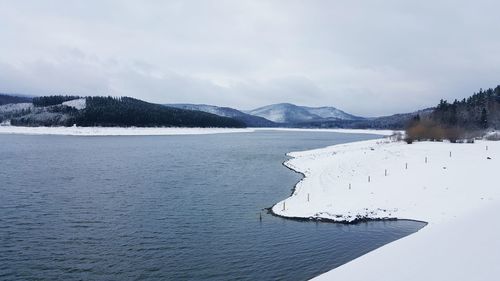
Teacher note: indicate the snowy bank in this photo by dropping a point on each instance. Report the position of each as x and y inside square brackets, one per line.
[132, 131]
[345, 131]
[116, 131]
[453, 187]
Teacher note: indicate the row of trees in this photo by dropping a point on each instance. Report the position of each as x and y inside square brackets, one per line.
[463, 119]
[479, 111]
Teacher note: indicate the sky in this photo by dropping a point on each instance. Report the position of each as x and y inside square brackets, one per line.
[368, 58]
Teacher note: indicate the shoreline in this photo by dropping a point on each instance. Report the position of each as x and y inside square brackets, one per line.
[163, 131]
[319, 219]
[117, 131]
[320, 166]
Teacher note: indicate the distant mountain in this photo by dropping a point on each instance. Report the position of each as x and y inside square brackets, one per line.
[392, 122]
[8, 99]
[288, 113]
[249, 120]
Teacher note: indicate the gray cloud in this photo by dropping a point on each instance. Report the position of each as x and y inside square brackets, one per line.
[366, 57]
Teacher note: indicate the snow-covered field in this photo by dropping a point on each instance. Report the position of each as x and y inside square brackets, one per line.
[453, 187]
[116, 131]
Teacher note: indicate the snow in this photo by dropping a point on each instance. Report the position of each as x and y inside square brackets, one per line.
[345, 131]
[290, 113]
[284, 113]
[76, 103]
[465, 248]
[14, 107]
[458, 196]
[116, 131]
[330, 112]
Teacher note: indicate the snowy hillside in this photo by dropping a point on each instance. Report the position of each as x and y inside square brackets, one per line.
[78, 104]
[249, 120]
[15, 107]
[292, 114]
[331, 112]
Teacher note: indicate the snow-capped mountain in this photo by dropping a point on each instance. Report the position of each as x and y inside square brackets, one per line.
[331, 112]
[249, 120]
[290, 113]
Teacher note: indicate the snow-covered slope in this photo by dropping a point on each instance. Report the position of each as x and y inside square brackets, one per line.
[249, 120]
[444, 184]
[76, 103]
[290, 113]
[330, 112]
[14, 107]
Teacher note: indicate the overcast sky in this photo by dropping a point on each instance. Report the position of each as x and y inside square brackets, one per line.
[365, 57]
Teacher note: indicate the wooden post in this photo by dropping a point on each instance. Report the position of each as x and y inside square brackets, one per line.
[368, 178]
[406, 166]
[450, 153]
[260, 216]
[349, 186]
[307, 197]
[425, 159]
[283, 205]
[386, 172]
[486, 147]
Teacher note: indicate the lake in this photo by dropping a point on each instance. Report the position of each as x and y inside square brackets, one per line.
[167, 208]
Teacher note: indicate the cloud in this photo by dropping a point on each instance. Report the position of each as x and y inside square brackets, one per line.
[369, 58]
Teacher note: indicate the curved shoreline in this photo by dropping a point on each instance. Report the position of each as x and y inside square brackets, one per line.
[437, 190]
[326, 220]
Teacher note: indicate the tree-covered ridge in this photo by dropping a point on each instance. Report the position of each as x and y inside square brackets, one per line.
[114, 112]
[479, 111]
[463, 119]
[52, 100]
[8, 99]
[126, 111]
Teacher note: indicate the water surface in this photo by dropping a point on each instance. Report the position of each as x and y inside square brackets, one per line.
[166, 208]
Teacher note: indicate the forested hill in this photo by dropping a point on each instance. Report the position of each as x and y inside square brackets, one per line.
[458, 120]
[110, 111]
[479, 111]
[125, 111]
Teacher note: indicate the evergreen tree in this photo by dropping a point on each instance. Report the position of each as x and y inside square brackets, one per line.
[484, 119]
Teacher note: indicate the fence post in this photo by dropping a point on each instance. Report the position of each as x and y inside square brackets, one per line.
[386, 172]
[368, 178]
[406, 166]
[425, 159]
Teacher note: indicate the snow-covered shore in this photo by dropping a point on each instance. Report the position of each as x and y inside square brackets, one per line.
[116, 131]
[344, 131]
[453, 187]
[149, 131]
